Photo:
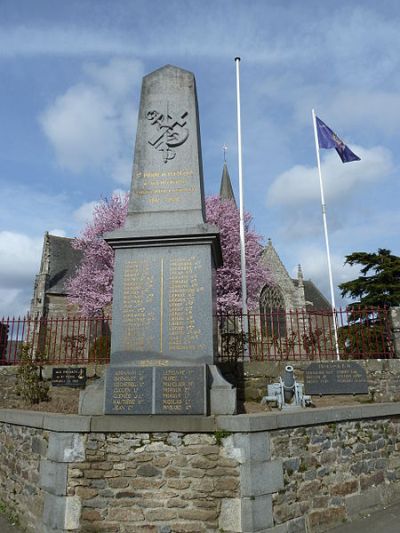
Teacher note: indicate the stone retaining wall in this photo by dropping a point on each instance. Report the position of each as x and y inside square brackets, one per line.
[333, 471]
[297, 471]
[251, 378]
[21, 450]
[152, 482]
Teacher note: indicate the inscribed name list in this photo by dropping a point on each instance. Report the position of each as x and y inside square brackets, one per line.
[163, 297]
[335, 377]
[128, 391]
[180, 390]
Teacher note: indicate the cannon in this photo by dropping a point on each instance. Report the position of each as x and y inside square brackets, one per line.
[287, 393]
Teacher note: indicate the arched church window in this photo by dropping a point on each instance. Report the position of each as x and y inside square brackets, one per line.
[273, 314]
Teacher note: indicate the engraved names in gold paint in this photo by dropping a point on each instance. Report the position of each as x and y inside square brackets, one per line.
[138, 312]
[177, 389]
[184, 332]
[130, 389]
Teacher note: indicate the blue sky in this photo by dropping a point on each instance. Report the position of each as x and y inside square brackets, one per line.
[70, 79]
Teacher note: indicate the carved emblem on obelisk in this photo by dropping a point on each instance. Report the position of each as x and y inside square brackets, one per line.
[170, 131]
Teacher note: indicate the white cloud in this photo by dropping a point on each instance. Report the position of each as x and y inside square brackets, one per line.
[84, 213]
[20, 260]
[14, 302]
[122, 171]
[58, 232]
[91, 125]
[300, 184]
[313, 260]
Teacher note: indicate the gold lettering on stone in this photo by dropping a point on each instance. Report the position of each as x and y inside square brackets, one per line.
[184, 289]
[177, 389]
[172, 187]
[128, 389]
[138, 315]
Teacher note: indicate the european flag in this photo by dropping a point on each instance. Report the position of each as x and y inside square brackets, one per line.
[328, 139]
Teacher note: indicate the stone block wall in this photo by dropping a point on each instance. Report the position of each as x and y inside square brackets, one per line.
[153, 482]
[333, 471]
[21, 450]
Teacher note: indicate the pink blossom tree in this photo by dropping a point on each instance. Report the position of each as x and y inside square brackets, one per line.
[91, 286]
[225, 215]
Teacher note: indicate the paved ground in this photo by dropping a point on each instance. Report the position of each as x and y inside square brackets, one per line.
[6, 527]
[383, 521]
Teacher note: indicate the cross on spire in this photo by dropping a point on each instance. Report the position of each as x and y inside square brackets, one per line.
[225, 148]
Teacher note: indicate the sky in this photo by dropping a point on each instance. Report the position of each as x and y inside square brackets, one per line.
[70, 78]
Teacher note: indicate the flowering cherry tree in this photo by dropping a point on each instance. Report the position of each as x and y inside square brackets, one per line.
[91, 286]
[225, 215]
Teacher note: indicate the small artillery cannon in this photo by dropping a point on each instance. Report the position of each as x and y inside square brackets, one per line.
[287, 394]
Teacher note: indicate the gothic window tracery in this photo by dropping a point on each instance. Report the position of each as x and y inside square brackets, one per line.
[272, 310]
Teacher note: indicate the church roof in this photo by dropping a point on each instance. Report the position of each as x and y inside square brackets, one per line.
[226, 190]
[315, 300]
[62, 261]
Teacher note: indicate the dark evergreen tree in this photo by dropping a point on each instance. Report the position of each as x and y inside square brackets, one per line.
[379, 282]
[367, 333]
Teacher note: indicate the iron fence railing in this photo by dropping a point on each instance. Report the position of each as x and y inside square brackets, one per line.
[301, 334]
[276, 335]
[57, 340]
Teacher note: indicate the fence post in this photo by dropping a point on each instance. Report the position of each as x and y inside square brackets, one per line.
[395, 320]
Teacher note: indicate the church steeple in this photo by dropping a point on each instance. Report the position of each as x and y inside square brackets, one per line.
[226, 190]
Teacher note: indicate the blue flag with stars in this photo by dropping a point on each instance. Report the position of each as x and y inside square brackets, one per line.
[328, 139]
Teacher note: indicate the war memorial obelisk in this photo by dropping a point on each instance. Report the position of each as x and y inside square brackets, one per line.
[163, 340]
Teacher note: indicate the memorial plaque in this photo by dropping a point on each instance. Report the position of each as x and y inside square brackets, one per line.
[180, 390]
[162, 303]
[128, 390]
[335, 377]
[69, 377]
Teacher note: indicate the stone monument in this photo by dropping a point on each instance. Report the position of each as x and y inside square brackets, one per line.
[164, 331]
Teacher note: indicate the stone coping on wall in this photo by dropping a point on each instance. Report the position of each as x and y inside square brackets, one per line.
[244, 423]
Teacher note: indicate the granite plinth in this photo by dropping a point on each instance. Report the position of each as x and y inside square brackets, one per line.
[335, 377]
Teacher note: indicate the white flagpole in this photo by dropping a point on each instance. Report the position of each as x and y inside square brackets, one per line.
[326, 237]
[241, 208]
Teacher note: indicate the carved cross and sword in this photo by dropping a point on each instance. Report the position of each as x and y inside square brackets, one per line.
[170, 131]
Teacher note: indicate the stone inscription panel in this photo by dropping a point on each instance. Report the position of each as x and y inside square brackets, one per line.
[138, 300]
[185, 287]
[162, 305]
[128, 391]
[180, 390]
[335, 377]
[165, 189]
